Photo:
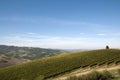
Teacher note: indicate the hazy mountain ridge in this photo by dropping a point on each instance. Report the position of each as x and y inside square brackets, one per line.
[11, 55]
[6, 61]
[27, 52]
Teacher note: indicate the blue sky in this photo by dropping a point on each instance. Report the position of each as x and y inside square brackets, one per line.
[63, 24]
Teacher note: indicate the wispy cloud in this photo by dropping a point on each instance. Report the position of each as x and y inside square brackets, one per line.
[50, 20]
[101, 34]
[59, 42]
[31, 33]
[109, 34]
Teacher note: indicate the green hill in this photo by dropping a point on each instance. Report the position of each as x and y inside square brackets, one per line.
[52, 66]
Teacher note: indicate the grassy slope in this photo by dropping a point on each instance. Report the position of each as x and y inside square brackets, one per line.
[52, 66]
[97, 75]
[116, 79]
[6, 61]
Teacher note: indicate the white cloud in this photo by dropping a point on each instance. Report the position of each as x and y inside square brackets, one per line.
[36, 40]
[48, 20]
[116, 34]
[101, 34]
[59, 42]
[82, 33]
[109, 34]
[31, 33]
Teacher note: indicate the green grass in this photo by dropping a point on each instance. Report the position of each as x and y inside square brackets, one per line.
[116, 78]
[52, 66]
[94, 75]
[98, 75]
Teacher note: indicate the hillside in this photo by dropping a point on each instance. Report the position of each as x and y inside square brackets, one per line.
[27, 52]
[52, 66]
[6, 61]
[12, 55]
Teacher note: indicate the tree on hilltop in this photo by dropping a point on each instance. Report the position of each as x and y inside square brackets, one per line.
[107, 47]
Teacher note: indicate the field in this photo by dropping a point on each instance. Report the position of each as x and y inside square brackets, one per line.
[52, 66]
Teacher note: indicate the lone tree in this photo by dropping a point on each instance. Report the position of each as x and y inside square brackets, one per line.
[107, 47]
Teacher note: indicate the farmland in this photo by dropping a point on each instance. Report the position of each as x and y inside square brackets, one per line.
[52, 66]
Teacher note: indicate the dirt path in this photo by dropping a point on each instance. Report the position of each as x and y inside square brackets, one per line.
[79, 72]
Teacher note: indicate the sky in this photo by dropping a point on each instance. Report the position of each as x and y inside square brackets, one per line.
[60, 24]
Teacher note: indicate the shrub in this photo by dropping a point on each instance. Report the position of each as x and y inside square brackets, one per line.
[106, 75]
[73, 78]
[94, 75]
[39, 78]
[119, 71]
[117, 62]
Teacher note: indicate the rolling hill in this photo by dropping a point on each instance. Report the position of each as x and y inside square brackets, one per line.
[11, 55]
[27, 52]
[51, 66]
[6, 61]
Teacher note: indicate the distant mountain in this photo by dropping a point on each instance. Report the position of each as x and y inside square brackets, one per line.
[11, 55]
[27, 52]
[8, 61]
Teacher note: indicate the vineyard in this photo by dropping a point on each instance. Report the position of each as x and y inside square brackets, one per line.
[52, 66]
